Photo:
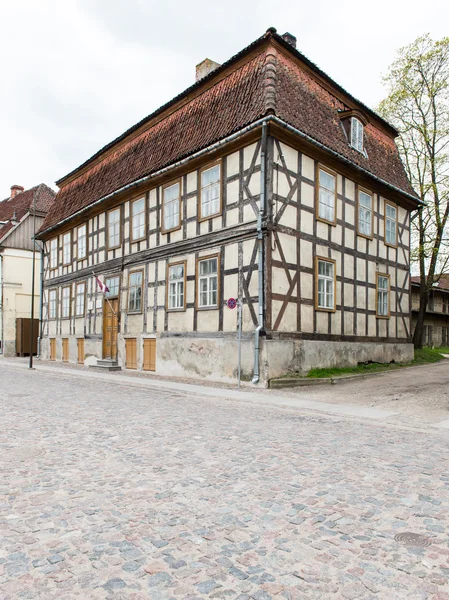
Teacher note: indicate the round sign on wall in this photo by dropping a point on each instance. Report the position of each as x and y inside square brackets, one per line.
[232, 303]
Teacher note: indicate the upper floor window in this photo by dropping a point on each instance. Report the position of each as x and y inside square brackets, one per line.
[357, 134]
[52, 304]
[65, 304]
[135, 292]
[391, 224]
[80, 298]
[365, 216]
[54, 253]
[171, 218]
[383, 295]
[114, 228]
[138, 219]
[82, 242]
[327, 195]
[207, 274]
[210, 191]
[176, 286]
[66, 248]
[325, 284]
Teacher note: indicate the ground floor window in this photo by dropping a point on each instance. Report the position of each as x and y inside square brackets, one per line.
[325, 284]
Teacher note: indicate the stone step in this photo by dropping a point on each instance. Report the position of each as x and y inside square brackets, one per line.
[106, 364]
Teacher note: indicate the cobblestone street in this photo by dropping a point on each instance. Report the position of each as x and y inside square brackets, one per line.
[115, 492]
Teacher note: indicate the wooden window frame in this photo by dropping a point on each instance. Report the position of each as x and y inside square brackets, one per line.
[334, 262]
[197, 278]
[395, 206]
[135, 312]
[77, 242]
[164, 187]
[56, 290]
[387, 276]
[320, 167]
[167, 287]
[131, 216]
[69, 233]
[200, 191]
[76, 315]
[66, 287]
[57, 254]
[120, 223]
[371, 195]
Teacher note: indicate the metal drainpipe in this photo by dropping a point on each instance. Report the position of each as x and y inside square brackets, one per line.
[41, 303]
[2, 312]
[260, 327]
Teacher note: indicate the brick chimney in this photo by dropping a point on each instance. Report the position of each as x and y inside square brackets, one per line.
[204, 68]
[289, 38]
[16, 189]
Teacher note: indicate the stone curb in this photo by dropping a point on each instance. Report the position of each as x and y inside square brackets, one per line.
[288, 382]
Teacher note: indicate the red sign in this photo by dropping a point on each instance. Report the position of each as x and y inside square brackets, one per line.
[232, 303]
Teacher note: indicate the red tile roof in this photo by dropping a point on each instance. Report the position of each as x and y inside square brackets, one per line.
[441, 283]
[230, 98]
[24, 202]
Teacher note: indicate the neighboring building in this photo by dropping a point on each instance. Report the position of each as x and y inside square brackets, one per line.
[16, 258]
[264, 181]
[436, 320]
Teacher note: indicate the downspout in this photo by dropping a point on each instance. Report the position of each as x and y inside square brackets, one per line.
[260, 327]
[1, 304]
[41, 303]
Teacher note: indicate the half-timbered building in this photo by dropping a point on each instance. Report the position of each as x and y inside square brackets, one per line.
[264, 181]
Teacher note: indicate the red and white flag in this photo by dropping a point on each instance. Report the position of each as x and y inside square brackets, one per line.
[103, 287]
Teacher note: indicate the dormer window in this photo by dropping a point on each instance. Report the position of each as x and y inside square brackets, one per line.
[357, 134]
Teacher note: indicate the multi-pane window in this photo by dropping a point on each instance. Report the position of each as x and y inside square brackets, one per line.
[54, 253]
[65, 303]
[210, 191]
[80, 299]
[208, 282]
[383, 295]
[52, 301]
[357, 134]
[176, 284]
[138, 219]
[112, 283]
[391, 224]
[114, 228]
[135, 292]
[365, 213]
[66, 248]
[326, 195]
[325, 284]
[82, 242]
[171, 206]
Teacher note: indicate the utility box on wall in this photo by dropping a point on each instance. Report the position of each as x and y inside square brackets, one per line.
[23, 330]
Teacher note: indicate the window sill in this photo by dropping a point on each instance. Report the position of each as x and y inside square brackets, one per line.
[202, 219]
[321, 220]
[172, 229]
[215, 307]
[176, 310]
[328, 310]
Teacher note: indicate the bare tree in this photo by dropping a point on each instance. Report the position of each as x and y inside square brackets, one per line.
[418, 105]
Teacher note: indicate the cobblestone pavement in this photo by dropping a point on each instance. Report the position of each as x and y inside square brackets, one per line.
[115, 492]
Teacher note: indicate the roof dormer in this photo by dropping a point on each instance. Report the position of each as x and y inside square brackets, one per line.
[353, 123]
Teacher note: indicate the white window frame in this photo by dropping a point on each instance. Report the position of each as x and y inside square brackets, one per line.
[171, 208]
[326, 197]
[67, 248]
[382, 295]
[325, 285]
[114, 228]
[138, 220]
[133, 297]
[365, 215]
[54, 253]
[388, 224]
[53, 304]
[357, 133]
[80, 299]
[176, 283]
[110, 287]
[212, 206]
[209, 282]
[81, 248]
[65, 302]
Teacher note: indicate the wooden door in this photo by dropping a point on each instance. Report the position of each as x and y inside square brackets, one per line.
[65, 349]
[80, 346]
[110, 328]
[149, 355]
[52, 348]
[131, 353]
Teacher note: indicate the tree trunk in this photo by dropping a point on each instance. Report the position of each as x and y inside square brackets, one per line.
[419, 329]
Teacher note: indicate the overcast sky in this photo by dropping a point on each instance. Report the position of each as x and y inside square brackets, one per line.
[76, 74]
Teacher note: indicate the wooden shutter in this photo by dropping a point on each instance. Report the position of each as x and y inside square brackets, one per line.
[80, 345]
[149, 355]
[131, 353]
[52, 349]
[65, 350]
